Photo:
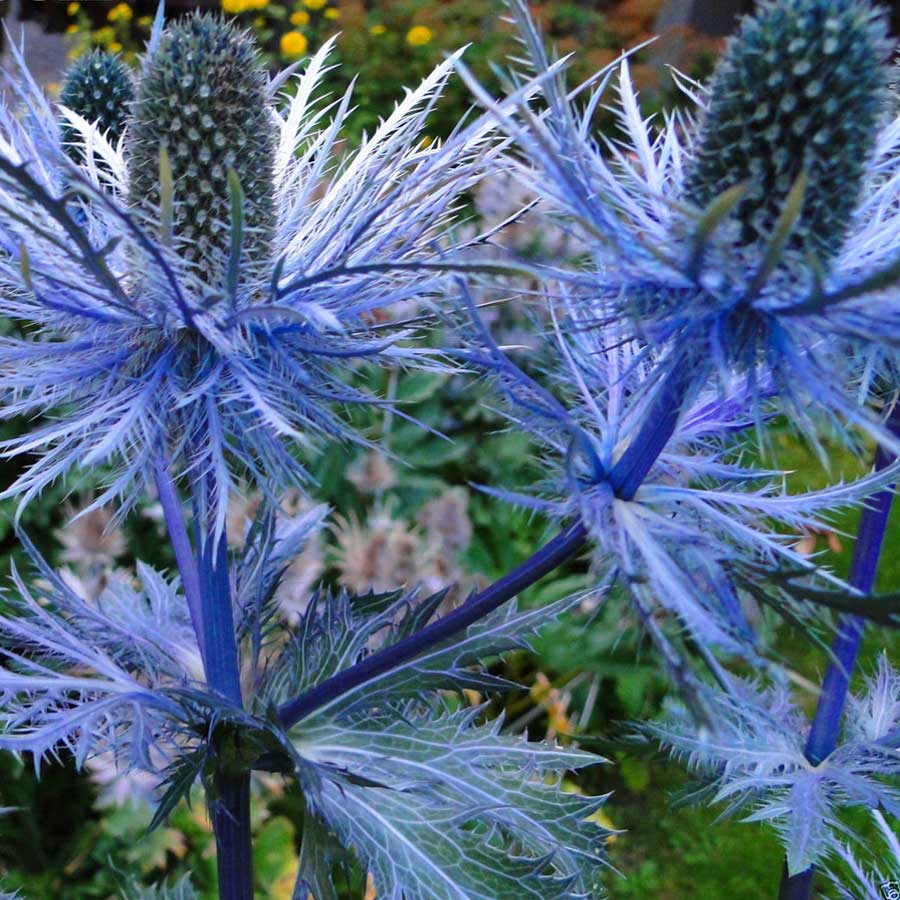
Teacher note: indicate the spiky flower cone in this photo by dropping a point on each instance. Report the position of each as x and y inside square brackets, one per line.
[98, 86]
[800, 87]
[203, 98]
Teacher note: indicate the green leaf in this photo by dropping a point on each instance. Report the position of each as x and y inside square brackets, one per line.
[318, 853]
[273, 851]
[180, 778]
[439, 807]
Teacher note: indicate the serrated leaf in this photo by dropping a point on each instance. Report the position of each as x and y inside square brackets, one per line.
[319, 851]
[180, 778]
[406, 786]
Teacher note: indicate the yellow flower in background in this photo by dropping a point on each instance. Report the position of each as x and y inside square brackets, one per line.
[233, 7]
[600, 817]
[71, 29]
[301, 17]
[121, 12]
[257, 4]
[377, 29]
[259, 22]
[145, 21]
[314, 4]
[332, 13]
[419, 36]
[73, 8]
[104, 35]
[294, 43]
[114, 47]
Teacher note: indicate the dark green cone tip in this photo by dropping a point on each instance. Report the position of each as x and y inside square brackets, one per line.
[204, 98]
[802, 85]
[99, 87]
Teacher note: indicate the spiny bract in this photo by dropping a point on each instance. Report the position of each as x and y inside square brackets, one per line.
[204, 98]
[98, 86]
[800, 87]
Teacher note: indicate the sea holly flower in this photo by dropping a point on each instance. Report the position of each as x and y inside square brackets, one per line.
[689, 527]
[755, 233]
[99, 88]
[752, 757]
[214, 340]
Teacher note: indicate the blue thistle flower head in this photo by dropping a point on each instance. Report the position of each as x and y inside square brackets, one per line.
[203, 102]
[99, 87]
[699, 529]
[799, 90]
[196, 291]
[755, 235]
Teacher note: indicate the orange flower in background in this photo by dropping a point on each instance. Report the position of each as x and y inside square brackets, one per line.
[419, 36]
[301, 17]
[294, 44]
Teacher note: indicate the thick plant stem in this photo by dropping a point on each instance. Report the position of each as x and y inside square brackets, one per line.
[181, 545]
[230, 810]
[231, 824]
[205, 580]
[222, 672]
[629, 472]
[825, 730]
[564, 546]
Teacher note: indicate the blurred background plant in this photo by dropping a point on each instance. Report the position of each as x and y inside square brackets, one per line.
[415, 521]
[387, 46]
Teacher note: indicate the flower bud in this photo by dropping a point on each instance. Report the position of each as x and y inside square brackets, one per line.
[800, 88]
[203, 98]
[98, 86]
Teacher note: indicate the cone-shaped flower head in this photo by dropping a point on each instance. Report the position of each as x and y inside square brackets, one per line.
[799, 89]
[99, 87]
[761, 236]
[203, 99]
[202, 313]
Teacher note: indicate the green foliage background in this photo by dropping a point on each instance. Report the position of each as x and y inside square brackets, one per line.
[54, 840]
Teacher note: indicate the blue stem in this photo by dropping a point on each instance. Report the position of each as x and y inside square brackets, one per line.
[231, 824]
[208, 593]
[626, 477]
[231, 809]
[222, 673]
[629, 472]
[826, 726]
[181, 545]
[564, 546]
